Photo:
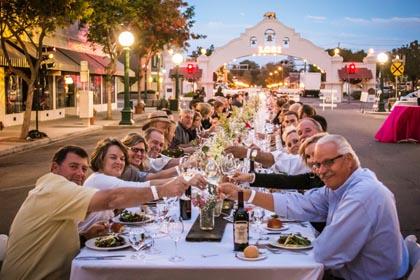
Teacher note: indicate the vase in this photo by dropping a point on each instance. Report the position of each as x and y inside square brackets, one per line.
[207, 218]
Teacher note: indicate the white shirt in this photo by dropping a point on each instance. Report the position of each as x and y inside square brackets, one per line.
[105, 182]
[288, 163]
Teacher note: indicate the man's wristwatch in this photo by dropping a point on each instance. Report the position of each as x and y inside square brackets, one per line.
[253, 154]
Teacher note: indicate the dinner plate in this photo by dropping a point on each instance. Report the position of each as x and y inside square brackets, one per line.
[91, 245]
[277, 229]
[261, 256]
[148, 219]
[274, 243]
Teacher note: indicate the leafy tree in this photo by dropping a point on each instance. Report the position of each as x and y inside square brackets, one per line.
[104, 26]
[26, 24]
[197, 52]
[411, 55]
[160, 24]
[348, 55]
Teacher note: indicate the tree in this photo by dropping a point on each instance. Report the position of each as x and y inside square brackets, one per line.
[197, 53]
[411, 54]
[348, 55]
[26, 24]
[161, 24]
[104, 26]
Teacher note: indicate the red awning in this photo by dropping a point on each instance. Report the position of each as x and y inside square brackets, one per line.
[184, 72]
[360, 74]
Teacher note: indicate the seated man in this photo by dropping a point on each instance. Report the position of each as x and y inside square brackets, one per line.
[160, 120]
[362, 238]
[43, 236]
[182, 138]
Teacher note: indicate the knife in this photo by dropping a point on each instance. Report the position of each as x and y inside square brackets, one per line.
[99, 257]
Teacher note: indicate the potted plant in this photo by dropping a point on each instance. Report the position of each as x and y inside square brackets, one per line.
[140, 107]
[92, 119]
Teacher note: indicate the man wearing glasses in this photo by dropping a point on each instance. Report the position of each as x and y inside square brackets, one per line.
[362, 238]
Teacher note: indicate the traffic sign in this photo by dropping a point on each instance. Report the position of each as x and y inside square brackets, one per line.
[397, 68]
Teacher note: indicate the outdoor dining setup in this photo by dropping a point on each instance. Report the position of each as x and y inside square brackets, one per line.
[203, 234]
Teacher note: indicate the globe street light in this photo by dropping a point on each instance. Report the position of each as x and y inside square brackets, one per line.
[126, 39]
[177, 59]
[382, 59]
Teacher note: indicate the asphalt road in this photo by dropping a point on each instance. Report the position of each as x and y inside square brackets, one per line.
[396, 165]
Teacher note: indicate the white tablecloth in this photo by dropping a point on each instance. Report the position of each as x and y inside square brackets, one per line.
[223, 266]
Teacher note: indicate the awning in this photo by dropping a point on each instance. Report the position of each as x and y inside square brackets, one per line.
[359, 74]
[17, 58]
[104, 60]
[94, 66]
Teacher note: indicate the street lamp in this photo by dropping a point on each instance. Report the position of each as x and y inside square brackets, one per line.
[382, 59]
[126, 39]
[177, 59]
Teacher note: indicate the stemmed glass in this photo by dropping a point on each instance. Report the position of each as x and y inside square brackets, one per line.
[153, 229]
[175, 231]
[211, 171]
[258, 215]
[137, 239]
[228, 165]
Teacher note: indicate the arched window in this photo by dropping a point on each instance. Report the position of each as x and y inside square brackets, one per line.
[285, 42]
[270, 37]
[253, 42]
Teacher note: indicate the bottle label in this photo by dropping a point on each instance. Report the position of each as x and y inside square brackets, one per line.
[241, 232]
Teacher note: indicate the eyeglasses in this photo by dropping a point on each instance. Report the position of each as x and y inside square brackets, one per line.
[327, 163]
[294, 142]
[136, 150]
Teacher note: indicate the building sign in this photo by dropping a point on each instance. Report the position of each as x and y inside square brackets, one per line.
[269, 49]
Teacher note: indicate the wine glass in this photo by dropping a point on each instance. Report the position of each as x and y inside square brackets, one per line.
[137, 238]
[211, 171]
[228, 165]
[153, 229]
[175, 231]
[259, 214]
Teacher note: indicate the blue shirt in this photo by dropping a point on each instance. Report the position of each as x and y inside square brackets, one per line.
[362, 239]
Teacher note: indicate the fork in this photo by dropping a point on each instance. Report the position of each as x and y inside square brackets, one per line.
[281, 251]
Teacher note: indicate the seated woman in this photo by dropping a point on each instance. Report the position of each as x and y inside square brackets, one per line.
[108, 161]
[137, 154]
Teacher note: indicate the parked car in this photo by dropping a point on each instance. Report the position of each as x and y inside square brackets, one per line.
[410, 95]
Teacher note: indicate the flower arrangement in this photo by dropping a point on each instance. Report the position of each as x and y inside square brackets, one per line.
[206, 199]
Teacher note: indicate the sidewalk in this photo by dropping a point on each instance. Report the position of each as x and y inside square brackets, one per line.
[62, 128]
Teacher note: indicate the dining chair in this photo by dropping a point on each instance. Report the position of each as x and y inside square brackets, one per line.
[3, 245]
[414, 255]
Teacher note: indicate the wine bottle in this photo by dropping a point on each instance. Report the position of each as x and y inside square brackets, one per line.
[240, 225]
[185, 205]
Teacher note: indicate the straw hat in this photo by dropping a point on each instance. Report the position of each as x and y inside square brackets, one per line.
[157, 116]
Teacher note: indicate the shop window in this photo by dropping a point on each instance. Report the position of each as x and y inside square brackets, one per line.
[105, 98]
[14, 94]
[66, 92]
[95, 87]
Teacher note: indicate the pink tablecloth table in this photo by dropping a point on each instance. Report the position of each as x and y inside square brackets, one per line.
[403, 124]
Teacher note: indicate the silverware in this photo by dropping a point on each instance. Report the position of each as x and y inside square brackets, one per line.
[107, 257]
[208, 255]
[283, 251]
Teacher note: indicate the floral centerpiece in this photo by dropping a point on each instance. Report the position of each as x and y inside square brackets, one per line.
[206, 200]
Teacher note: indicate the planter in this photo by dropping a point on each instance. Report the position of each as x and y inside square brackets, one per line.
[92, 121]
[207, 218]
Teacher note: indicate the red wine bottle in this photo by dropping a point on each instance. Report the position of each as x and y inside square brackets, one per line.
[240, 225]
[185, 205]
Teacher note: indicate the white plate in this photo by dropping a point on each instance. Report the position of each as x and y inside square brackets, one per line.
[148, 219]
[91, 245]
[261, 256]
[277, 229]
[289, 247]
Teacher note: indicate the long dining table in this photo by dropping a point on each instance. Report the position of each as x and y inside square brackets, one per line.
[204, 260]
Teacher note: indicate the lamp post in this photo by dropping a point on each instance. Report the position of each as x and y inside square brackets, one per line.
[177, 59]
[382, 59]
[126, 39]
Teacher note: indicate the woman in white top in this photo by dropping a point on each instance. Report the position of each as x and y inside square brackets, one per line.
[108, 161]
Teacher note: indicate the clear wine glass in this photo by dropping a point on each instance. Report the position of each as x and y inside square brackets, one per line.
[137, 238]
[211, 171]
[228, 165]
[175, 231]
[153, 228]
[259, 214]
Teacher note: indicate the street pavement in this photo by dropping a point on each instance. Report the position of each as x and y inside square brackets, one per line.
[396, 165]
